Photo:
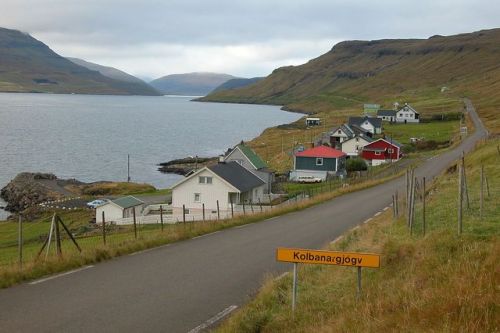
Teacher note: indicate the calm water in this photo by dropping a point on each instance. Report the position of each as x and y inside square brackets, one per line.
[89, 137]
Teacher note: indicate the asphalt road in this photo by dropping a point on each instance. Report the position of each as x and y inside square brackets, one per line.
[175, 288]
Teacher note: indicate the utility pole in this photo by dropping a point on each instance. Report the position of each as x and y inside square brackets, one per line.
[128, 168]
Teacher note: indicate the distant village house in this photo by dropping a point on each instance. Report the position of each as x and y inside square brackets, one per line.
[381, 151]
[370, 124]
[319, 162]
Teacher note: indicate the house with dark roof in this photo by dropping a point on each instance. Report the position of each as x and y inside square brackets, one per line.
[340, 134]
[246, 157]
[121, 208]
[218, 186]
[407, 114]
[387, 115]
[319, 162]
[370, 124]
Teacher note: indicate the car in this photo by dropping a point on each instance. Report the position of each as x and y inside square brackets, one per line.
[96, 203]
[309, 179]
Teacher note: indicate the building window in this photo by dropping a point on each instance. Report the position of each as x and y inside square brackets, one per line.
[377, 153]
[357, 147]
[319, 161]
[390, 150]
[186, 211]
[197, 197]
[357, 139]
[205, 180]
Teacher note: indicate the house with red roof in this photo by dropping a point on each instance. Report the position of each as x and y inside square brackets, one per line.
[319, 162]
[381, 151]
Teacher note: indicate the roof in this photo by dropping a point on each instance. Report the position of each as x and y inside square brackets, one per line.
[345, 128]
[127, 202]
[312, 118]
[387, 113]
[376, 122]
[321, 151]
[408, 106]
[362, 136]
[236, 175]
[257, 162]
[359, 130]
[394, 142]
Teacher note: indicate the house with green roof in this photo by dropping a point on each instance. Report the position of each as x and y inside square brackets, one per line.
[118, 209]
[247, 158]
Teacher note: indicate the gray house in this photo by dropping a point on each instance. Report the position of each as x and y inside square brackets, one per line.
[247, 158]
[387, 115]
[370, 124]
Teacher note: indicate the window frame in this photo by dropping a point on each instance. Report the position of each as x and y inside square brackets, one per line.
[318, 159]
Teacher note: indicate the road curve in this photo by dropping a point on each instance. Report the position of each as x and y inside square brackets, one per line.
[177, 287]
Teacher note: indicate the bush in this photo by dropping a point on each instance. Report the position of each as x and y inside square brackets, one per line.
[356, 164]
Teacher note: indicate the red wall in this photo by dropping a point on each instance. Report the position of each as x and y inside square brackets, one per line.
[370, 155]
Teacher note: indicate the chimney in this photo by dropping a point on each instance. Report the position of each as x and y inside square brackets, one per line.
[221, 159]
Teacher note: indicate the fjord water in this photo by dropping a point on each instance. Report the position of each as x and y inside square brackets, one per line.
[88, 137]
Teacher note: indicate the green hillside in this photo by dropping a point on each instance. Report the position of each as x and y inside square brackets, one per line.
[384, 71]
[28, 65]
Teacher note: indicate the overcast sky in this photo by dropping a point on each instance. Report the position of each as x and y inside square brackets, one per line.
[152, 38]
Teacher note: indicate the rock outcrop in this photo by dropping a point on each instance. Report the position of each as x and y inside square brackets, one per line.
[27, 190]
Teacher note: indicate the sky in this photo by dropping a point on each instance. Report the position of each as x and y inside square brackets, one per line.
[153, 38]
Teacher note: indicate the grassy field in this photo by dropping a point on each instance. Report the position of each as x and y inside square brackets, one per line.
[439, 131]
[440, 282]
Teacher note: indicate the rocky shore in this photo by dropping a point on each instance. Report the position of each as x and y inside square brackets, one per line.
[185, 165]
[29, 189]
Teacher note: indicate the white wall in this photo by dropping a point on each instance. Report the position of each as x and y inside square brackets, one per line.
[369, 127]
[406, 114]
[111, 213]
[209, 193]
[349, 146]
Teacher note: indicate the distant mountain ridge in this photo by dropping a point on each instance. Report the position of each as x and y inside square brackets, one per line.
[190, 84]
[237, 83]
[28, 65]
[378, 71]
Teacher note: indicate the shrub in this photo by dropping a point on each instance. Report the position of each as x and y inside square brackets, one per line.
[356, 164]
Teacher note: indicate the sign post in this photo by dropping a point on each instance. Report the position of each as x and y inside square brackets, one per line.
[321, 257]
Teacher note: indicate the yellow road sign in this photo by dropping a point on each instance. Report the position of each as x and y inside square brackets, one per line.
[306, 256]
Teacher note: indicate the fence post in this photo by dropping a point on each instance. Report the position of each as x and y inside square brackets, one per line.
[260, 204]
[232, 209]
[20, 242]
[135, 223]
[58, 239]
[481, 193]
[397, 204]
[218, 211]
[460, 198]
[251, 206]
[464, 181]
[244, 212]
[161, 217]
[423, 205]
[203, 207]
[184, 214]
[103, 228]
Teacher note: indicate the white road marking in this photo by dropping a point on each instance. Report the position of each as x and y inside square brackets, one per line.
[355, 228]
[60, 275]
[337, 239]
[142, 251]
[241, 226]
[386, 208]
[377, 214]
[214, 319]
[368, 220]
[281, 276]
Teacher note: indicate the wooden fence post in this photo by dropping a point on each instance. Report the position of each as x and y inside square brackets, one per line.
[203, 207]
[184, 214]
[218, 211]
[161, 217]
[260, 204]
[460, 198]
[481, 193]
[135, 222]
[464, 181]
[244, 212]
[423, 205]
[58, 239]
[20, 241]
[103, 228]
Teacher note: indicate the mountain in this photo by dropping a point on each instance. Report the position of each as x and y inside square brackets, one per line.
[115, 74]
[237, 83]
[28, 65]
[191, 84]
[384, 71]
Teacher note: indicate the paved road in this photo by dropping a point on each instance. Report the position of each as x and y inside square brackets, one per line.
[175, 288]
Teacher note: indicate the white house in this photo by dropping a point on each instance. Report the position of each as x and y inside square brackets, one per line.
[246, 157]
[370, 124]
[354, 146]
[310, 121]
[387, 115]
[340, 134]
[407, 114]
[223, 183]
[120, 208]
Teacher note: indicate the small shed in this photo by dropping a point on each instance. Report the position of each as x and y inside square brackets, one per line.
[313, 121]
[119, 209]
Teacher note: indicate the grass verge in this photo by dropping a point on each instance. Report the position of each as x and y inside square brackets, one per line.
[437, 282]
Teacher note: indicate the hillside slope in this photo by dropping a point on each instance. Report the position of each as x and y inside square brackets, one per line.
[237, 83]
[383, 71]
[191, 84]
[28, 65]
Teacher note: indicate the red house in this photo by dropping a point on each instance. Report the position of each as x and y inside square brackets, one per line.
[381, 151]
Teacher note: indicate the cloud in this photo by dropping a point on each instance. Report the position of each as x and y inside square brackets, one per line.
[247, 38]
